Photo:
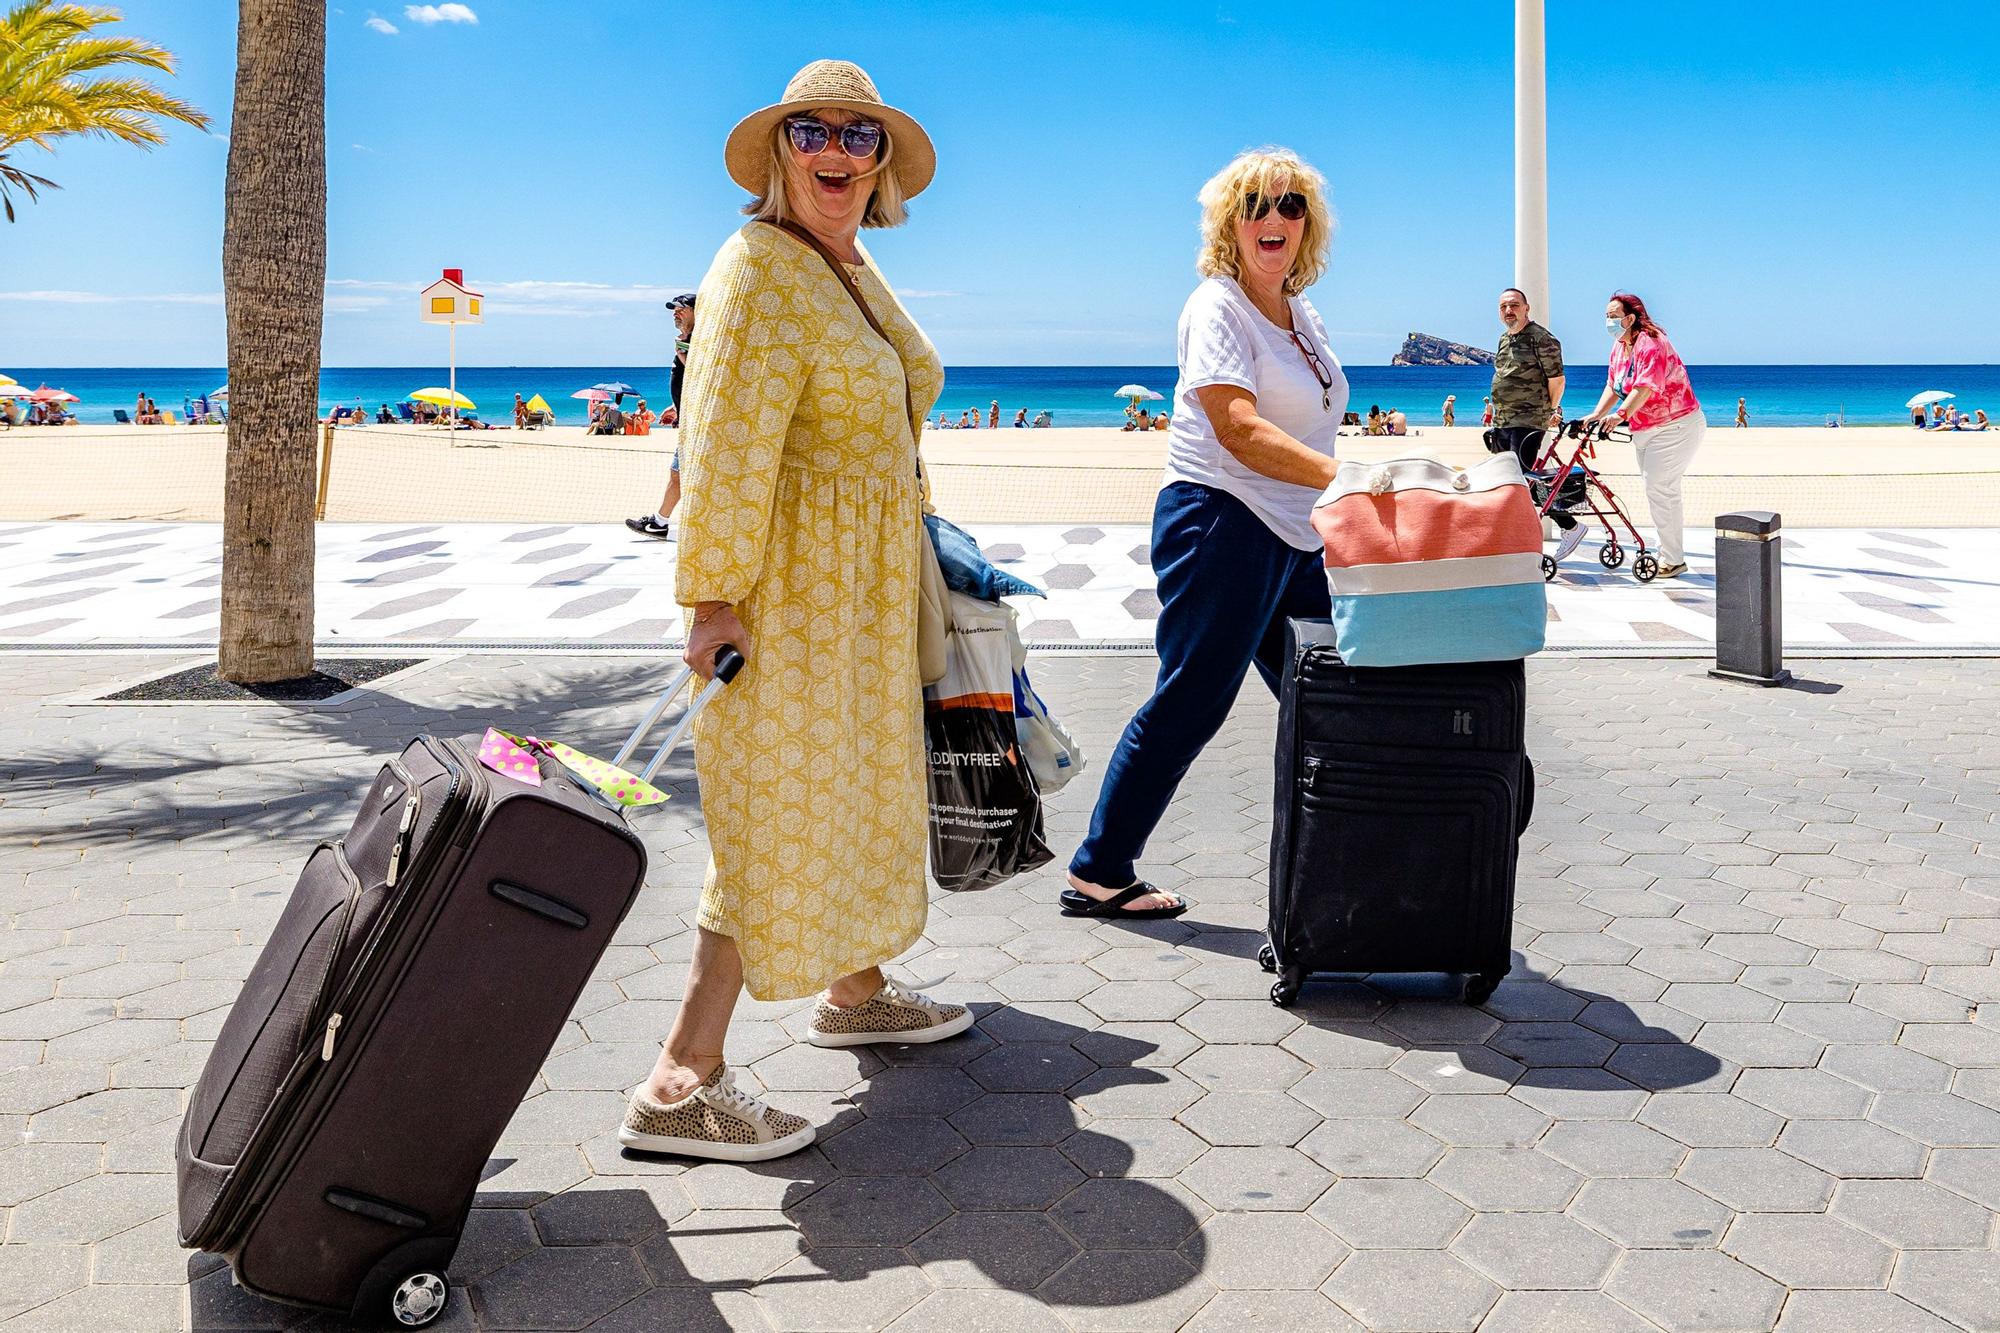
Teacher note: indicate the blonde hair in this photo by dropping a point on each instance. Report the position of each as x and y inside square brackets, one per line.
[1262, 171]
[885, 206]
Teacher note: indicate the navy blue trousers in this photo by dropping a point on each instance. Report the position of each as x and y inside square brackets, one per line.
[1227, 585]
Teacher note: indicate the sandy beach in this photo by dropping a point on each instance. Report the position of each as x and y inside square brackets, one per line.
[1815, 477]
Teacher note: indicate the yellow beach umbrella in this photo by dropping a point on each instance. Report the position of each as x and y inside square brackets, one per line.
[539, 404]
[5, 380]
[443, 398]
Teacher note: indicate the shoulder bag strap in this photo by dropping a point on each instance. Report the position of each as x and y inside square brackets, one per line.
[853, 289]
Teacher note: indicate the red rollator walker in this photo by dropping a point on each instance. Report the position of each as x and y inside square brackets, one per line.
[1579, 489]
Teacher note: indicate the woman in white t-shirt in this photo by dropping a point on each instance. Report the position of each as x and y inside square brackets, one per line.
[1249, 450]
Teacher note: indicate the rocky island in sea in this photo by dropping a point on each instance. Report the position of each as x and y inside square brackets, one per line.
[1421, 349]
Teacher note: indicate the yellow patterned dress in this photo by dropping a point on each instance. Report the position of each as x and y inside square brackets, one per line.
[800, 504]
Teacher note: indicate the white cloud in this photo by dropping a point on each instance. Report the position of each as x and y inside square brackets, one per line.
[452, 13]
[382, 25]
[59, 297]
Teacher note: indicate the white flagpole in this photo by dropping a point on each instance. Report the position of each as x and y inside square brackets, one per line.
[1531, 158]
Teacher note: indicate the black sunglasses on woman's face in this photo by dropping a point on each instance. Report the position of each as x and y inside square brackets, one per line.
[858, 138]
[1291, 206]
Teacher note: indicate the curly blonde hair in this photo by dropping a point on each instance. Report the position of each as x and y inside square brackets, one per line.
[1269, 172]
[886, 206]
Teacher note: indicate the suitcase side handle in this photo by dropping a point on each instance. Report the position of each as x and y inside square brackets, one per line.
[728, 662]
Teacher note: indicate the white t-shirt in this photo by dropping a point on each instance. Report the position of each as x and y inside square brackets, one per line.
[1226, 340]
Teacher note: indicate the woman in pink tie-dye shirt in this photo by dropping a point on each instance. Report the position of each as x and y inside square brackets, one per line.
[1646, 386]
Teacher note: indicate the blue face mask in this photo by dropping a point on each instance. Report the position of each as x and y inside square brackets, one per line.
[1614, 327]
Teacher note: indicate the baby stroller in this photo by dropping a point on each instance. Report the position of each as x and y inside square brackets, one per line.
[1564, 477]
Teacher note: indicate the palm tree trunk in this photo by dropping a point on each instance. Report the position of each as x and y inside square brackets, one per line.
[274, 286]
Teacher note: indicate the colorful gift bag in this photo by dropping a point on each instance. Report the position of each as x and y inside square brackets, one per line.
[515, 756]
[1432, 563]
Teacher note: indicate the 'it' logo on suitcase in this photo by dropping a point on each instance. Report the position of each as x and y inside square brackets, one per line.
[1461, 722]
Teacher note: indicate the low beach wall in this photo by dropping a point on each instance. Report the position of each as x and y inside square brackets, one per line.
[1857, 477]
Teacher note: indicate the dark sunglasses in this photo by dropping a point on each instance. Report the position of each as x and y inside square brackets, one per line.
[858, 138]
[1291, 207]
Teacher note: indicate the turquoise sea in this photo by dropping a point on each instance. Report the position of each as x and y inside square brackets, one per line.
[1083, 395]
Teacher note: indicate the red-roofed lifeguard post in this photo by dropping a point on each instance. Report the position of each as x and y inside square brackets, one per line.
[450, 301]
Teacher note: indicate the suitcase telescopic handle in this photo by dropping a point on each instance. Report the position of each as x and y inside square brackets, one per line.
[727, 663]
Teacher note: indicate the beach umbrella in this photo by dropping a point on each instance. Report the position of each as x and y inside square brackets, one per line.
[1929, 396]
[593, 395]
[15, 391]
[47, 395]
[5, 380]
[443, 398]
[539, 404]
[615, 387]
[1137, 393]
[223, 392]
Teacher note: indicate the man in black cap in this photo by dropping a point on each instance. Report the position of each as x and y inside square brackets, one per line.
[655, 524]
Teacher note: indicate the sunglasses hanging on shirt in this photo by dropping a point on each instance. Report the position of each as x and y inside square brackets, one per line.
[1320, 370]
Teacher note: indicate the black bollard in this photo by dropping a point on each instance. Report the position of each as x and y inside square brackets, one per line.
[1749, 598]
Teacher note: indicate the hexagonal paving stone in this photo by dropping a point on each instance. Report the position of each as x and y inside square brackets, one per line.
[1939, 1119]
[1470, 1071]
[1971, 1172]
[1267, 1252]
[31, 1275]
[1244, 1068]
[918, 1090]
[1612, 1148]
[1960, 1285]
[1372, 1147]
[1912, 1214]
[1113, 1214]
[1650, 1214]
[871, 1210]
[1140, 1092]
[1411, 1289]
[1885, 1068]
[1131, 1289]
[1542, 1251]
[1150, 1148]
[1232, 1311]
[855, 1287]
[1257, 1179]
[1029, 1067]
[1851, 1148]
[1553, 1045]
[1800, 1250]
[720, 1247]
[1047, 981]
[563, 1288]
[1439, 1022]
[1347, 1093]
[1696, 1291]
[1484, 1121]
[1031, 1118]
[1711, 1120]
[1802, 1094]
[1226, 1021]
[1390, 1214]
[1140, 1001]
[1876, 1311]
[904, 1145]
[1757, 1180]
[988, 1178]
[1496, 1179]
[1250, 1119]
[1014, 1250]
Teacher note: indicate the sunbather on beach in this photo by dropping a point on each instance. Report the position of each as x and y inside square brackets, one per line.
[1398, 424]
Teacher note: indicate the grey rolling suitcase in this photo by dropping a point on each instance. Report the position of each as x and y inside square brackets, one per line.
[418, 977]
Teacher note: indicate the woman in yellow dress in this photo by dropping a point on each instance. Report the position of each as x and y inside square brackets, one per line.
[801, 504]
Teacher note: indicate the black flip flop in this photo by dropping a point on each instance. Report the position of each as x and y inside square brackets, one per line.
[1075, 902]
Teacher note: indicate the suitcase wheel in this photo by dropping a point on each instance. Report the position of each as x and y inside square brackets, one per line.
[1267, 958]
[419, 1300]
[1285, 990]
[1479, 986]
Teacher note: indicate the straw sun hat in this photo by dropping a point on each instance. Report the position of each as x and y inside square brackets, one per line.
[823, 84]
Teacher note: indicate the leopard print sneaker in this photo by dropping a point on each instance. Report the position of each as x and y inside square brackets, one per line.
[717, 1120]
[890, 1014]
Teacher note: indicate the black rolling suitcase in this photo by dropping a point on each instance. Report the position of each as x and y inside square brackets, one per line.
[421, 971]
[1401, 796]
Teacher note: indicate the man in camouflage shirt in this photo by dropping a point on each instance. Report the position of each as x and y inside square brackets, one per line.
[1527, 396]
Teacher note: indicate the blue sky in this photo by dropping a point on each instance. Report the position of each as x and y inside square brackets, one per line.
[1783, 182]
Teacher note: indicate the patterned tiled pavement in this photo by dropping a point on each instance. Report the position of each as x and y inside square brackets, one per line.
[471, 583]
[1746, 1073]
